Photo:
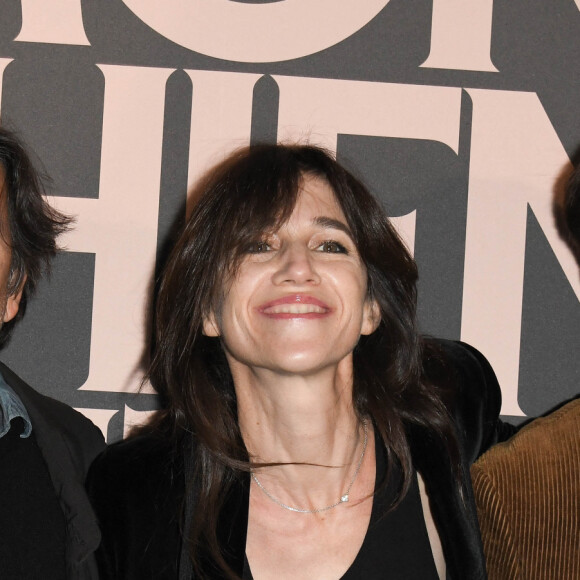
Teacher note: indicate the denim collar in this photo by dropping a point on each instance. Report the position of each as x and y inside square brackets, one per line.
[12, 407]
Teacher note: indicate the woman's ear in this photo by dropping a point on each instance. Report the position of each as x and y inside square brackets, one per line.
[371, 317]
[210, 327]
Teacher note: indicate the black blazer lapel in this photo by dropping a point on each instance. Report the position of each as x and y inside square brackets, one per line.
[452, 507]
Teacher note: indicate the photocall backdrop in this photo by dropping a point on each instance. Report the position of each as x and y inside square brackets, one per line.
[461, 115]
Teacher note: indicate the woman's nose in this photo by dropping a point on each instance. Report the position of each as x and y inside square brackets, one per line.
[296, 266]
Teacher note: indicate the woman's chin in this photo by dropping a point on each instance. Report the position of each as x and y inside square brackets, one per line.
[307, 363]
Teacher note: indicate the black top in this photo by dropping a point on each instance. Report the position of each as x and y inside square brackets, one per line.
[32, 525]
[396, 545]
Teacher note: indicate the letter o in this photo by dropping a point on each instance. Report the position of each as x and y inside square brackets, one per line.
[269, 32]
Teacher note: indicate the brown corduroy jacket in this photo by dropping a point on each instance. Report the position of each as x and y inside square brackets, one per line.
[527, 492]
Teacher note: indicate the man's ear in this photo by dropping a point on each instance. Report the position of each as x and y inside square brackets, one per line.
[371, 317]
[13, 302]
[210, 327]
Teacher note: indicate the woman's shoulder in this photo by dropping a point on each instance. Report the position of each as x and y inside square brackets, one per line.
[134, 466]
[143, 447]
[455, 355]
[461, 369]
[136, 487]
[471, 391]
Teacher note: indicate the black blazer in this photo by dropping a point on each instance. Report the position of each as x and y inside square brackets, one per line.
[68, 443]
[137, 487]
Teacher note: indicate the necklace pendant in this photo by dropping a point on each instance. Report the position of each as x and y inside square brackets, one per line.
[344, 498]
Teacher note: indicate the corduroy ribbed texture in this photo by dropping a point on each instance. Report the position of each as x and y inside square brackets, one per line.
[528, 499]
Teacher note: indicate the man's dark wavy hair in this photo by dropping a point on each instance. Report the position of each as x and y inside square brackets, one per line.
[572, 204]
[30, 225]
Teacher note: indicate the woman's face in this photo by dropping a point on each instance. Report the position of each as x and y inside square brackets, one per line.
[299, 301]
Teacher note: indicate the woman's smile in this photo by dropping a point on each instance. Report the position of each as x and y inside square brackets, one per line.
[295, 306]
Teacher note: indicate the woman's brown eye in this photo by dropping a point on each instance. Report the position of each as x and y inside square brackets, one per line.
[331, 247]
[258, 248]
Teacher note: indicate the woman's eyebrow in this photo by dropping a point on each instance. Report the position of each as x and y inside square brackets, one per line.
[332, 224]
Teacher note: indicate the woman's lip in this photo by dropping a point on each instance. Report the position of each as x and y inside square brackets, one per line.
[295, 306]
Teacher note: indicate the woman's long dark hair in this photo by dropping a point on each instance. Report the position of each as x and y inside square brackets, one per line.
[252, 192]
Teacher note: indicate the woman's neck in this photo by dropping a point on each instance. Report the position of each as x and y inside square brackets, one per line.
[301, 420]
[295, 418]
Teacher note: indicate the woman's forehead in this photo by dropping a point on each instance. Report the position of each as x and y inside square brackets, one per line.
[314, 201]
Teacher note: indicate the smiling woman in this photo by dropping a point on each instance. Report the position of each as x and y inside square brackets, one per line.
[310, 431]
[298, 301]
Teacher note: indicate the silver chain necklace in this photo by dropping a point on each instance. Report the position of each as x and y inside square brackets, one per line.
[343, 498]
